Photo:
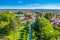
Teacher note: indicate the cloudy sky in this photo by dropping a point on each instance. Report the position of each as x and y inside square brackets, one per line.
[29, 4]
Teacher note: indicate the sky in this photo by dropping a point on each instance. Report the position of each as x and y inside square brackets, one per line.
[29, 4]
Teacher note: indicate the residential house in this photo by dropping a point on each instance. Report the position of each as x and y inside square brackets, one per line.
[56, 20]
[31, 19]
[20, 16]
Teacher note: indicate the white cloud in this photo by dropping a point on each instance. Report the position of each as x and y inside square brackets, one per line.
[50, 6]
[33, 6]
[39, 6]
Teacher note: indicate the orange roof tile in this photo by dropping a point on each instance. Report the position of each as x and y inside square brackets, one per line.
[27, 18]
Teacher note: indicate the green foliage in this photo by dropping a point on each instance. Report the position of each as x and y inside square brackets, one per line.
[19, 12]
[40, 14]
[44, 30]
[10, 25]
[49, 15]
[13, 28]
[5, 21]
[56, 27]
[28, 24]
[24, 31]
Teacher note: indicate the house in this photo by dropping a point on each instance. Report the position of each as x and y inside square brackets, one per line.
[20, 16]
[56, 20]
[58, 16]
[53, 18]
[31, 18]
[27, 19]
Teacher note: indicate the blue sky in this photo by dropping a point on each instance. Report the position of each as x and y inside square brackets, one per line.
[29, 4]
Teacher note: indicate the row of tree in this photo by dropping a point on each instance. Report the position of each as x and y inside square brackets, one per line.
[9, 25]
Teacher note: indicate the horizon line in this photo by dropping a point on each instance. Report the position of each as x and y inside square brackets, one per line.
[26, 8]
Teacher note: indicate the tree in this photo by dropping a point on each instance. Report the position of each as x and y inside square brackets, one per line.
[19, 12]
[9, 24]
[24, 32]
[41, 14]
[49, 15]
[43, 29]
[5, 23]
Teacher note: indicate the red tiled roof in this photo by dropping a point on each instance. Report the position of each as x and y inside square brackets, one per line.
[27, 18]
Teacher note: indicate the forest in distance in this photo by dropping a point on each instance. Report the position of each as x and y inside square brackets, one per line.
[28, 24]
